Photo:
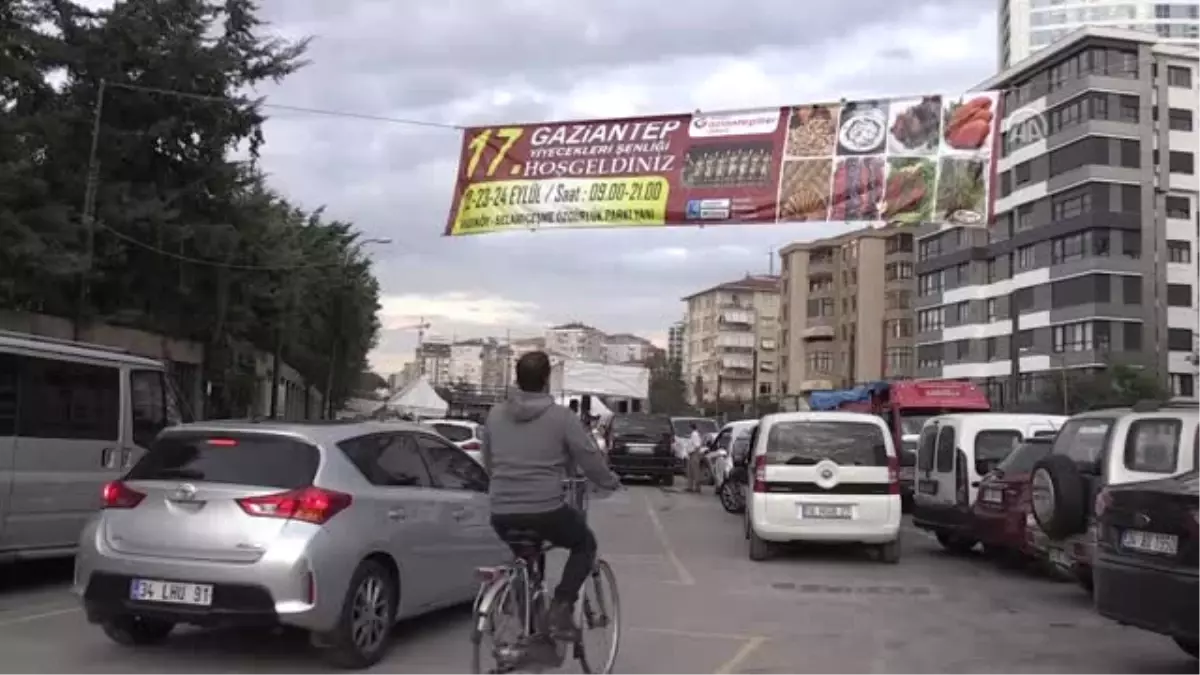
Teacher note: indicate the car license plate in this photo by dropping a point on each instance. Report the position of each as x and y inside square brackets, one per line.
[830, 511]
[1060, 557]
[907, 473]
[151, 590]
[927, 487]
[1150, 542]
[641, 449]
[992, 496]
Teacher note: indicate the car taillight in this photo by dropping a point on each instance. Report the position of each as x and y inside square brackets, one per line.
[310, 504]
[760, 473]
[471, 445]
[1194, 523]
[893, 475]
[1103, 501]
[118, 495]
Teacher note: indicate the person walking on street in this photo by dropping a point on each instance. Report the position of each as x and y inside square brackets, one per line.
[695, 455]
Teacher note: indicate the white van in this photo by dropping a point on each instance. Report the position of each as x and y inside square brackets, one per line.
[824, 477]
[73, 417]
[954, 452]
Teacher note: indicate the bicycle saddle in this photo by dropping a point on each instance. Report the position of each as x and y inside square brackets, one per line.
[526, 543]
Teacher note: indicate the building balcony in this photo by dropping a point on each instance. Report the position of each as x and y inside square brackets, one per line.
[737, 374]
[736, 317]
[815, 385]
[820, 332]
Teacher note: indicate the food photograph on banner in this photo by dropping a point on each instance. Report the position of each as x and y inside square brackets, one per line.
[901, 161]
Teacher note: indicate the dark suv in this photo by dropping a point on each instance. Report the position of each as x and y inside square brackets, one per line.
[642, 445]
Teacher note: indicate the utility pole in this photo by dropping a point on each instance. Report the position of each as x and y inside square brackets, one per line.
[1066, 395]
[88, 215]
[1014, 354]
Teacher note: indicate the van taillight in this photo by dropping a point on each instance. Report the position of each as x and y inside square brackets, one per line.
[310, 504]
[760, 473]
[893, 475]
[471, 445]
[118, 495]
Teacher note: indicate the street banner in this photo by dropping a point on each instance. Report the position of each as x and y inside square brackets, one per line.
[925, 159]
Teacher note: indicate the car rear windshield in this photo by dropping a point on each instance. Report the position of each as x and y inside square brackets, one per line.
[1152, 445]
[648, 425]
[684, 427]
[1025, 456]
[454, 432]
[809, 442]
[996, 444]
[260, 460]
[1083, 440]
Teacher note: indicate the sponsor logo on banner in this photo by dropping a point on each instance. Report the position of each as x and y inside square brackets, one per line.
[753, 123]
[908, 161]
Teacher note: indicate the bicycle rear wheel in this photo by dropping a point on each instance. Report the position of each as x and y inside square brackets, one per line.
[599, 617]
[497, 631]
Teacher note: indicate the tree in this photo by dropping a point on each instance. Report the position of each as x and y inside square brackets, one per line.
[1115, 386]
[668, 392]
[189, 240]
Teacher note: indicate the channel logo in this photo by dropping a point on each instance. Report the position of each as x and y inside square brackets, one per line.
[709, 209]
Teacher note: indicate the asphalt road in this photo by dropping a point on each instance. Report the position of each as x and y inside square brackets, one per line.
[691, 602]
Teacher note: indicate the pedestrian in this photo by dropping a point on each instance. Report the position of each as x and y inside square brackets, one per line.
[695, 450]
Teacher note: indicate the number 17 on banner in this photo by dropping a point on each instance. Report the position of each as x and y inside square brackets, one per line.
[506, 137]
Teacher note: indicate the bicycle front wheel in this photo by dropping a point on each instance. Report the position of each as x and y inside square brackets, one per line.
[599, 621]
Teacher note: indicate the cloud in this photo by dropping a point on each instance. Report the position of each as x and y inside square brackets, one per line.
[471, 62]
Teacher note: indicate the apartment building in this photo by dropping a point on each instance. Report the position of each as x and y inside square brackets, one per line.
[1091, 258]
[576, 340]
[846, 310]
[433, 359]
[676, 339]
[627, 348]
[732, 340]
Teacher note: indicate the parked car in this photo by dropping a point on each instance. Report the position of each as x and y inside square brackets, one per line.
[336, 529]
[73, 416]
[1097, 449]
[824, 477]
[641, 444]
[730, 445]
[1146, 557]
[682, 426]
[467, 435]
[954, 454]
[1003, 500]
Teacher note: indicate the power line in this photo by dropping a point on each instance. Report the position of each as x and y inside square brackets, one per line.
[212, 263]
[283, 106]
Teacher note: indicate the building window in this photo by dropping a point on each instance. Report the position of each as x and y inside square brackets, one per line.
[1024, 217]
[962, 350]
[1025, 339]
[1179, 295]
[1127, 110]
[1180, 340]
[1181, 162]
[930, 248]
[1178, 206]
[1022, 173]
[928, 284]
[931, 320]
[1071, 204]
[991, 309]
[899, 328]
[1180, 119]
[1179, 251]
[899, 361]
[992, 348]
[1183, 385]
[1072, 337]
[1066, 249]
[1179, 76]
[820, 362]
[897, 270]
[900, 243]
[1025, 258]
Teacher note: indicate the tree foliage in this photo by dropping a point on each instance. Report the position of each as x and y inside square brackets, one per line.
[189, 239]
[1118, 385]
[668, 393]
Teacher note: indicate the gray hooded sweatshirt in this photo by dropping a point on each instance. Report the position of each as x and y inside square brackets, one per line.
[529, 445]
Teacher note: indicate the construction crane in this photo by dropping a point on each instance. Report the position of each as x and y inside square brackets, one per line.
[421, 326]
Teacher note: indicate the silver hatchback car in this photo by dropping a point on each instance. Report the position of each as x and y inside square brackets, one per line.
[337, 529]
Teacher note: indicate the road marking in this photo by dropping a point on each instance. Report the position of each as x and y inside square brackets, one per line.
[34, 617]
[742, 654]
[685, 577]
[701, 635]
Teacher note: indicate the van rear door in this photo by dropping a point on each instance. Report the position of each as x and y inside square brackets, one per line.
[8, 433]
[835, 469]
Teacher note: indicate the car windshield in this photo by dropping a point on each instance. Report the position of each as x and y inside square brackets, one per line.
[1083, 439]
[641, 425]
[910, 425]
[683, 426]
[240, 459]
[1025, 456]
[808, 442]
[996, 444]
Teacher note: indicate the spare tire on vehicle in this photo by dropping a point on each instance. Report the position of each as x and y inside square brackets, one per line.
[1059, 497]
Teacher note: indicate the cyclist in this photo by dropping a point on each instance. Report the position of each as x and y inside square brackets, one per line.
[529, 446]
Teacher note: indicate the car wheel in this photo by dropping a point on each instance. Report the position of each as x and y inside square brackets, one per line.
[1084, 578]
[955, 544]
[135, 631]
[760, 549]
[667, 480]
[706, 474]
[360, 637]
[889, 552]
[1192, 647]
[1059, 497]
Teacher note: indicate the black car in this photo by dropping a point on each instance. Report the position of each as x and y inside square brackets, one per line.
[1145, 568]
[642, 444]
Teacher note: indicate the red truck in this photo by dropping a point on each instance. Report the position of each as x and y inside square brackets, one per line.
[905, 405]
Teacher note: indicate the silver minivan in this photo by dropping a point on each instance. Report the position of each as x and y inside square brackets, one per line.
[73, 416]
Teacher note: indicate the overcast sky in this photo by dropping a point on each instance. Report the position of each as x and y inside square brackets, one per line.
[495, 61]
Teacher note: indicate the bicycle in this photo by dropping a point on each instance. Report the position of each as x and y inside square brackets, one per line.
[519, 590]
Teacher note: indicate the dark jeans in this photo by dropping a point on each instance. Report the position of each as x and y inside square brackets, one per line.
[564, 527]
